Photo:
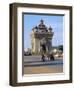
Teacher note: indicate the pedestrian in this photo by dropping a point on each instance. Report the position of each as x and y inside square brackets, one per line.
[43, 57]
[51, 57]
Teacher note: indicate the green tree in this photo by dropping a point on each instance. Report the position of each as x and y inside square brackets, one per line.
[60, 47]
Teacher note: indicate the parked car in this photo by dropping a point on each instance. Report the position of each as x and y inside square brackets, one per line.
[27, 53]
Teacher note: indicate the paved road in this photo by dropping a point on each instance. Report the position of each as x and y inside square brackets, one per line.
[36, 61]
[34, 65]
[32, 58]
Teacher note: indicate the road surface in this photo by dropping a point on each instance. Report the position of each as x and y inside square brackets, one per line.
[34, 65]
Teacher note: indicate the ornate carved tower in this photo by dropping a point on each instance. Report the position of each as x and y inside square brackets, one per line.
[38, 33]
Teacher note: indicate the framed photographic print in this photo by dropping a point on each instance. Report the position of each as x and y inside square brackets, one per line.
[40, 44]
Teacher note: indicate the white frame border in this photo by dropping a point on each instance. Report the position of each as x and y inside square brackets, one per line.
[46, 77]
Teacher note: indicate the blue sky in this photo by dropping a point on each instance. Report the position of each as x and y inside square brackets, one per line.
[55, 21]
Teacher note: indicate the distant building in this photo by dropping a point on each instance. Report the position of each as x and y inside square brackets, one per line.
[41, 34]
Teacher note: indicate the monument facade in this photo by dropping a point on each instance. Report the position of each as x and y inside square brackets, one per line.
[41, 35]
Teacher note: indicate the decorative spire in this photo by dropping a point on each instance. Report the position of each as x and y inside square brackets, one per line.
[36, 27]
[50, 28]
[42, 26]
[41, 21]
